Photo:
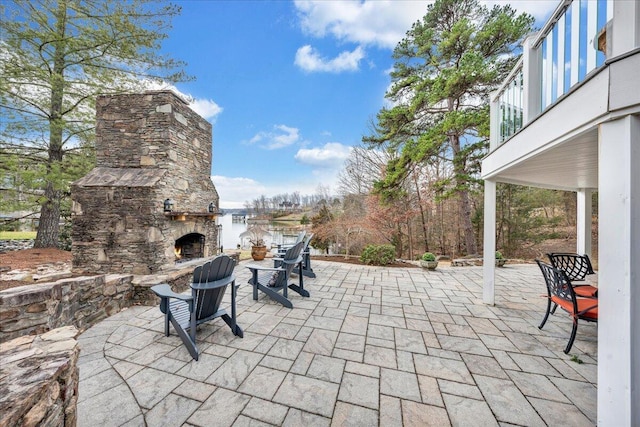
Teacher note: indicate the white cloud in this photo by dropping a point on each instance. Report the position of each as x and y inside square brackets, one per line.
[540, 9]
[207, 108]
[378, 23]
[331, 155]
[281, 136]
[310, 60]
[384, 23]
[234, 192]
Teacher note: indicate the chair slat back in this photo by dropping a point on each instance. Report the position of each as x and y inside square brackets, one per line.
[208, 300]
[300, 237]
[307, 240]
[289, 261]
[558, 284]
[575, 266]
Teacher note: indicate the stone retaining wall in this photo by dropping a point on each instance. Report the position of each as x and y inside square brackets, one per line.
[15, 245]
[39, 382]
[81, 301]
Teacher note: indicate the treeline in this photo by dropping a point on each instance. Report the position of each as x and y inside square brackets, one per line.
[289, 202]
[422, 219]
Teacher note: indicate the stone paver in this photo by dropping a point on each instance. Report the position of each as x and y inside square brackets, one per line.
[371, 346]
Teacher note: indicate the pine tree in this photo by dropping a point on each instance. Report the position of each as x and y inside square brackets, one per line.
[445, 68]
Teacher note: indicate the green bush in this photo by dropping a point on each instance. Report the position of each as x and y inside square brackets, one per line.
[499, 255]
[378, 254]
[428, 256]
[305, 220]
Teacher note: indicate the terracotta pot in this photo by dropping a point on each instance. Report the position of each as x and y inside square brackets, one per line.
[258, 252]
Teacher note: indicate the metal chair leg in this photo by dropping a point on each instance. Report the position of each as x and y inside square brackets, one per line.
[573, 336]
[546, 315]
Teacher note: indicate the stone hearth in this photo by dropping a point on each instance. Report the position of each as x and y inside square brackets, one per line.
[149, 147]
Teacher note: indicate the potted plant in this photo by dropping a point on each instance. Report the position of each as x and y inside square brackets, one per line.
[428, 261]
[500, 261]
[256, 238]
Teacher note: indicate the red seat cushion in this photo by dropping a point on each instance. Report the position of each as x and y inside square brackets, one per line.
[586, 291]
[583, 303]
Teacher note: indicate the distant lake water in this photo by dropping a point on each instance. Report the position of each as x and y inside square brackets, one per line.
[281, 233]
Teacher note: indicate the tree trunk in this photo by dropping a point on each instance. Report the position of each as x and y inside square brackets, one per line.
[48, 228]
[464, 206]
[424, 222]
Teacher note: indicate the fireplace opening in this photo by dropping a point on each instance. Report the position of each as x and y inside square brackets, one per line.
[189, 246]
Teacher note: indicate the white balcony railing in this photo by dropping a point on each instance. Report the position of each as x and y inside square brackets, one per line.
[565, 51]
[511, 103]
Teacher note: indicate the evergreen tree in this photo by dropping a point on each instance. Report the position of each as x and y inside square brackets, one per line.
[56, 56]
[445, 68]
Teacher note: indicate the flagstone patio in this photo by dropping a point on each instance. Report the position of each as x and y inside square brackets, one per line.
[372, 346]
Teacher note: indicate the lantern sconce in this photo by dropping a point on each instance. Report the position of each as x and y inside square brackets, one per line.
[168, 205]
[212, 208]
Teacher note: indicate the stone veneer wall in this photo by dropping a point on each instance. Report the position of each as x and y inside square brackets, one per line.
[82, 301]
[149, 147]
[39, 382]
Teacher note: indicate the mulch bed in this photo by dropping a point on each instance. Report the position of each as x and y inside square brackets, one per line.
[356, 261]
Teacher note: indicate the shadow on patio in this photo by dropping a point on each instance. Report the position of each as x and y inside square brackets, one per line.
[372, 346]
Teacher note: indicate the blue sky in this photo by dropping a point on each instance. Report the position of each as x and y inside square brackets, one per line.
[290, 86]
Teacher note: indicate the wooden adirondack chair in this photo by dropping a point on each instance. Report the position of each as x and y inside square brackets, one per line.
[284, 248]
[306, 257]
[272, 280]
[186, 312]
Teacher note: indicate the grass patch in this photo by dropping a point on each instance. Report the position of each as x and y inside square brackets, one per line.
[17, 235]
[576, 359]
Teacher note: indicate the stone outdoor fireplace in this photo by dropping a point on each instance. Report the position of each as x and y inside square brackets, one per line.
[149, 202]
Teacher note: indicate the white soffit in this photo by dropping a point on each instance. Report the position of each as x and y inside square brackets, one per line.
[570, 165]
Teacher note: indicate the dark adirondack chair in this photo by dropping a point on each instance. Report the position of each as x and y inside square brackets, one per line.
[186, 312]
[561, 292]
[284, 248]
[272, 280]
[306, 257]
[576, 267]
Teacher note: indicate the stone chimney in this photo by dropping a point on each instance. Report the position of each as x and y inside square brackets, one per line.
[150, 148]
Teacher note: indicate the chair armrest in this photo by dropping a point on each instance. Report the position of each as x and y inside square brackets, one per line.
[294, 261]
[215, 284]
[164, 291]
[261, 268]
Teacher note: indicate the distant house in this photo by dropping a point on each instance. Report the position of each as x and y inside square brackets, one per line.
[568, 118]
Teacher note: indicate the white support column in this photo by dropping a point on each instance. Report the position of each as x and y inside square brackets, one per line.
[583, 221]
[619, 273]
[489, 269]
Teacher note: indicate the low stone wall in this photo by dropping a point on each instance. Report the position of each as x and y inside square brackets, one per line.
[81, 301]
[15, 245]
[39, 382]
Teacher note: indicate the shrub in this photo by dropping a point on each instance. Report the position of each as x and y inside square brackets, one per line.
[305, 220]
[499, 255]
[378, 254]
[428, 256]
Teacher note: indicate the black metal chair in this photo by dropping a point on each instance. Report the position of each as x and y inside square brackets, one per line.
[272, 280]
[562, 293]
[576, 267]
[186, 312]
